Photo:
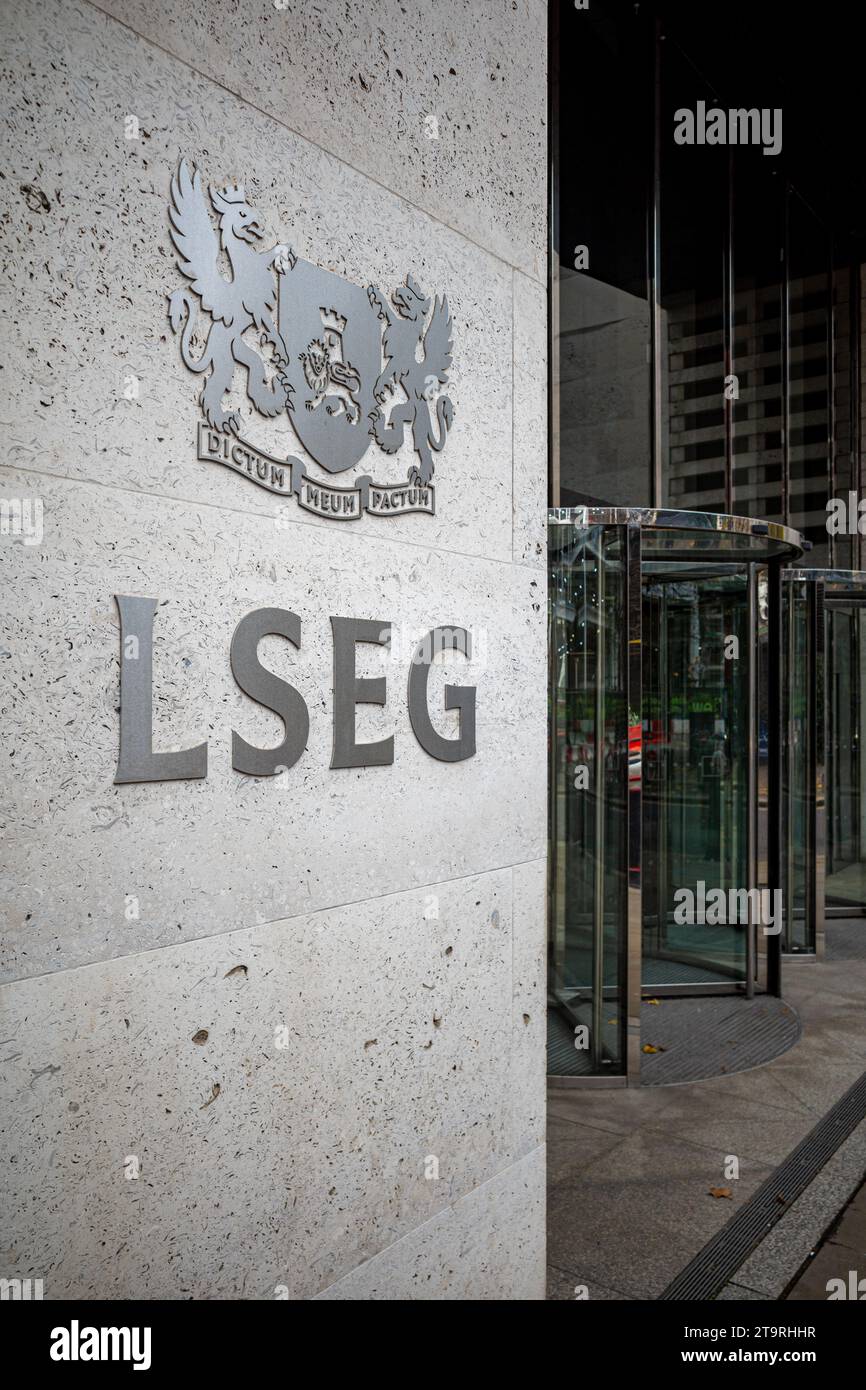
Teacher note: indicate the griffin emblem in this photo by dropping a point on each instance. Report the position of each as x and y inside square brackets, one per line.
[418, 359]
[349, 366]
[247, 300]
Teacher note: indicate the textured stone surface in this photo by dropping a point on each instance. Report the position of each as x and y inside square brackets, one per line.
[529, 1015]
[206, 856]
[488, 1245]
[530, 422]
[442, 101]
[156, 937]
[311, 1157]
[87, 275]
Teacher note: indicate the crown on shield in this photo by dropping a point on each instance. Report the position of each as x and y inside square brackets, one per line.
[333, 320]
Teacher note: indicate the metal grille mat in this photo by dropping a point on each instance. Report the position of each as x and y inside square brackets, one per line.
[718, 1262]
[696, 1038]
[713, 1036]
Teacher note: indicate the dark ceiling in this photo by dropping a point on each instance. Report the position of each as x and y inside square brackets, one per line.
[807, 60]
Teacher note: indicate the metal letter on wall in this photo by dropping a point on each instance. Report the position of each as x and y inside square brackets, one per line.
[137, 761]
[351, 690]
[462, 698]
[268, 690]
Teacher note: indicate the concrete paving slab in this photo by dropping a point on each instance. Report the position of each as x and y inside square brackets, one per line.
[563, 1286]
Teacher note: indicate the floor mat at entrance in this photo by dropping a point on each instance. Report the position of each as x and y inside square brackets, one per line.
[694, 1038]
[713, 1036]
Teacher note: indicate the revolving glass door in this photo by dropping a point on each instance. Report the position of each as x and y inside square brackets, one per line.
[845, 607]
[654, 756]
[697, 675]
[824, 801]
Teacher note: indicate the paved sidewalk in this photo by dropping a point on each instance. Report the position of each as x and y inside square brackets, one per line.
[630, 1170]
[839, 1264]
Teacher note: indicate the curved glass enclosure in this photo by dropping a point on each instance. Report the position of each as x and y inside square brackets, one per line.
[662, 625]
[842, 599]
[825, 761]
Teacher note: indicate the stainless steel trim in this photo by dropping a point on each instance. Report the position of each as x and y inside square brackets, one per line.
[634, 808]
[817, 695]
[752, 774]
[598, 838]
[671, 519]
[581, 1083]
[694, 989]
[788, 781]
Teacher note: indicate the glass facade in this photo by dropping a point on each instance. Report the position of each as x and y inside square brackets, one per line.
[705, 319]
[708, 652]
[589, 785]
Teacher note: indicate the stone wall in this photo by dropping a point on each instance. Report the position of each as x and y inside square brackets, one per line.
[278, 1036]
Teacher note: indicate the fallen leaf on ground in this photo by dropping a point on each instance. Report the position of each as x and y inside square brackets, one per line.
[720, 1192]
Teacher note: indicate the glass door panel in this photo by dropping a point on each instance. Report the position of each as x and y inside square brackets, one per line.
[798, 764]
[846, 764]
[696, 672]
[589, 780]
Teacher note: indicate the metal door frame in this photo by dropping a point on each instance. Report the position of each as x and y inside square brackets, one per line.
[829, 588]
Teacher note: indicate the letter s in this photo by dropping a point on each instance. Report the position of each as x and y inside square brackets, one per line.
[268, 690]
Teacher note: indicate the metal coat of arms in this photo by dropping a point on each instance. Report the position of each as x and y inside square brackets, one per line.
[348, 365]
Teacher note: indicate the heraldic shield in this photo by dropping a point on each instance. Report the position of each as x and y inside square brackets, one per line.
[334, 342]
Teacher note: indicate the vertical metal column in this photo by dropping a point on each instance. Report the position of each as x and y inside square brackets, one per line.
[654, 285]
[820, 784]
[831, 384]
[633, 637]
[787, 766]
[859, 553]
[553, 278]
[810, 903]
[786, 361]
[728, 335]
[598, 838]
[752, 773]
[775, 733]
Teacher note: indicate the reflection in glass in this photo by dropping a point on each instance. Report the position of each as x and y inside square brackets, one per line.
[809, 254]
[695, 711]
[798, 767]
[846, 764]
[693, 231]
[757, 361]
[589, 796]
[846, 389]
[601, 398]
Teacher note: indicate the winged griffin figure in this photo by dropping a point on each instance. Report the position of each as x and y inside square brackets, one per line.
[246, 301]
[417, 358]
